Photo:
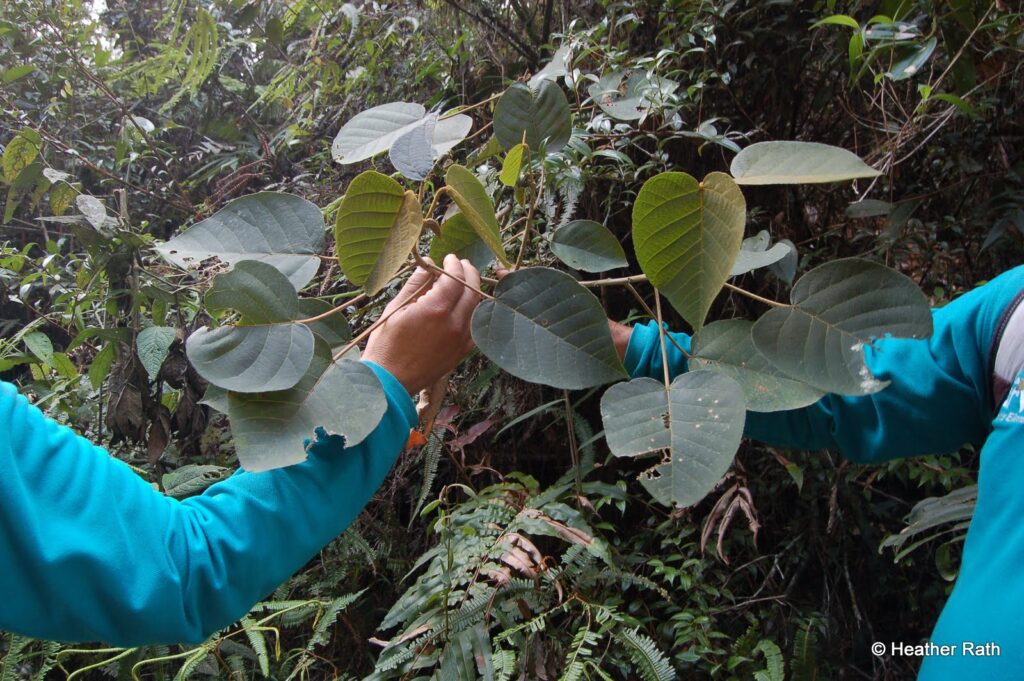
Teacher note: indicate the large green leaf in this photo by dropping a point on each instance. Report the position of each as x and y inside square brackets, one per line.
[458, 237]
[699, 420]
[375, 130]
[838, 308]
[797, 163]
[589, 246]
[343, 398]
[543, 327]
[687, 235]
[257, 291]
[474, 203]
[727, 347]
[283, 230]
[334, 329]
[252, 359]
[153, 344]
[542, 114]
[755, 253]
[376, 228]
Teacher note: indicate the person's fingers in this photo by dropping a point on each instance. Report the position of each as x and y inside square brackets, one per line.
[469, 298]
[447, 291]
[419, 277]
[500, 272]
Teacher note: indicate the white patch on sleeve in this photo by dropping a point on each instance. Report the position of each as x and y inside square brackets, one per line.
[1010, 354]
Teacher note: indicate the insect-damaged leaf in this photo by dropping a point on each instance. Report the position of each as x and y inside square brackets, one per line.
[797, 163]
[589, 246]
[474, 203]
[838, 308]
[542, 114]
[343, 398]
[699, 420]
[545, 328]
[687, 235]
[283, 230]
[727, 347]
[376, 228]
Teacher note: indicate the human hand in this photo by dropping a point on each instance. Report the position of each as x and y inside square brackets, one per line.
[427, 334]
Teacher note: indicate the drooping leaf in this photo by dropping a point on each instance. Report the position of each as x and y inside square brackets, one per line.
[16, 72]
[257, 291]
[838, 308]
[39, 344]
[18, 154]
[373, 131]
[755, 254]
[513, 165]
[343, 398]
[687, 235]
[542, 114]
[252, 359]
[912, 61]
[152, 344]
[100, 366]
[797, 163]
[376, 228]
[727, 347]
[554, 69]
[545, 328]
[459, 237]
[785, 269]
[62, 195]
[699, 420]
[412, 153]
[868, 208]
[283, 230]
[333, 329]
[589, 246]
[474, 203]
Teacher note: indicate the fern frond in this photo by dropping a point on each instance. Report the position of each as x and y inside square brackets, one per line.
[650, 661]
[582, 649]
[775, 666]
[804, 664]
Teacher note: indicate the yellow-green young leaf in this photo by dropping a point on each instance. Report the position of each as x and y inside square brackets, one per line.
[797, 163]
[458, 237]
[100, 366]
[376, 227]
[687, 235]
[513, 165]
[472, 199]
[62, 195]
[20, 152]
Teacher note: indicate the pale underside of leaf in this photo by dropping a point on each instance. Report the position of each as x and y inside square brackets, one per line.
[545, 328]
[412, 153]
[727, 347]
[755, 254]
[282, 230]
[687, 235]
[343, 398]
[373, 131]
[797, 163]
[838, 309]
[401, 239]
[252, 358]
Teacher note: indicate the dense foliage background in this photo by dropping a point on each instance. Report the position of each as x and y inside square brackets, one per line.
[167, 110]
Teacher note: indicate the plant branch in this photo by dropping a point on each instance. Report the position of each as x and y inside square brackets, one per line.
[383, 318]
[754, 296]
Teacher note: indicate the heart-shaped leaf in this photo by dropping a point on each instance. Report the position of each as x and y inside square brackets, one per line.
[375, 130]
[474, 203]
[152, 344]
[755, 254]
[589, 246]
[797, 163]
[282, 230]
[699, 420]
[687, 235]
[412, 153]
[252, 359]
[458, 237]
[343, 398]
[333, 329]
[541, 114]
[838, 308]
[727, 347]
[543, 327]
[257, 291]
[376, 228]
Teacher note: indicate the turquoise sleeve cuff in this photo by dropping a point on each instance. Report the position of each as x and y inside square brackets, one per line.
[643, 353]
[396, 392]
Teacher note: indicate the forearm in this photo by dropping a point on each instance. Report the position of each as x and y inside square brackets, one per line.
[91, 552]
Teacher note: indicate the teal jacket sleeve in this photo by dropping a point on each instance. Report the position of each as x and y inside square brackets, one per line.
[937, 401]
[91, 552]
